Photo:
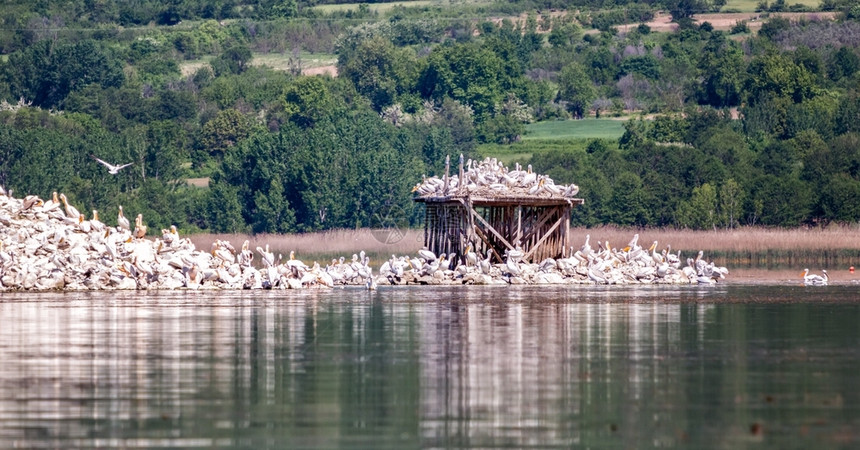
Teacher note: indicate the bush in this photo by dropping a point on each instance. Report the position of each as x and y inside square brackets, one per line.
[740, 27]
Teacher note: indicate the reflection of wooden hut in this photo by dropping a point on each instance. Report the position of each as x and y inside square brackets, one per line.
[498, 220]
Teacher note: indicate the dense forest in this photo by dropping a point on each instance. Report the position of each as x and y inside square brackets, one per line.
[730, 127]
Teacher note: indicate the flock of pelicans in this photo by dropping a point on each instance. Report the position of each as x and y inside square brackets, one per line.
[50, 245]
[490, 178]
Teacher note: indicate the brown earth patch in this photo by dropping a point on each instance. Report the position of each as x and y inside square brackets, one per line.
[725, 21]
[330, 70]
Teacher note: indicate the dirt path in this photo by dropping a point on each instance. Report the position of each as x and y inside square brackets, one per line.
[724, 21]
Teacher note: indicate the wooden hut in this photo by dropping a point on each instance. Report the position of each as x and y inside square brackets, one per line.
[532, 218]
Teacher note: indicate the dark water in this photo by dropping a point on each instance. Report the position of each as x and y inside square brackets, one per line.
[729, 366]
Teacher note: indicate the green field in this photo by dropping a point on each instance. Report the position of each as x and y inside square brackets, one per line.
[750, 5]
[575, 129]
[281, 61]
[376, 7]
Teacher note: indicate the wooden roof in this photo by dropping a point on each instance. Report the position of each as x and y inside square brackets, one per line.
[504, 200]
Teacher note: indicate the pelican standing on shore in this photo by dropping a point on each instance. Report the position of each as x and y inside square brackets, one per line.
[122, 221]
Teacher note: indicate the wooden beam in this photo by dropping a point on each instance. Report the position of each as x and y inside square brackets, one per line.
[489, 244]
[489, 227]
[543, 238]
[542, 220]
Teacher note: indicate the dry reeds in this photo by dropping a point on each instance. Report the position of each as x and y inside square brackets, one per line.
[742, 247]
[324, 245]
[746, 239]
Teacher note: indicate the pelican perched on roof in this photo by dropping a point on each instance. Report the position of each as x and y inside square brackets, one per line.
[815, 280]
[112, 169]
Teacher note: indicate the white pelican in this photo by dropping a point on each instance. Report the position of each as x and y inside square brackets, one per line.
[122, 221]
[71, 211]
[112, 169]
[471, 257]
[246, 255]
[139, 227]
[427, 255]
[268, 257]
[97, 224]
[815, 280]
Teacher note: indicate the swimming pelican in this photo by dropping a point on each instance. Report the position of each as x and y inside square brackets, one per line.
[122, 221]
[112, 169]
[815, 280]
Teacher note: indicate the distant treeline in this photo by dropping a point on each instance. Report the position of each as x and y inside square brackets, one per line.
[287, 152]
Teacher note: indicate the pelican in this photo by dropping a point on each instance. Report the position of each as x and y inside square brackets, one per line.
[97, 224]
[122, 221]
[486, 264]
[112, 169]
[268, 257]
[586, 247]
[71, 211]
[427, 255]
[471, 257]
[246, 255]
[139, 227]
[815, 280]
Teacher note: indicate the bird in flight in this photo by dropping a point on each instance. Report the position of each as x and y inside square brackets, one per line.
[112, 169]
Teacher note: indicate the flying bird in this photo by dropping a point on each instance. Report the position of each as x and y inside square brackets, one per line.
[112, 169]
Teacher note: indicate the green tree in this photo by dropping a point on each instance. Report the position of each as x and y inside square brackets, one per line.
[234, 60]
[700, 211]
[722, 67]
[628, 204]
[379, 71]
[576, 89]
[223, 210]
[308, 100]
[731, 203]
[776, 75]
[468, 73]
[48, 71]
[225, 130]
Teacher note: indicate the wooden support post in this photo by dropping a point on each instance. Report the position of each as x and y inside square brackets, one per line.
[545, 236]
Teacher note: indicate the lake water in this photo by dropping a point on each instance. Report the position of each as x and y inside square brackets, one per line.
[726, 366]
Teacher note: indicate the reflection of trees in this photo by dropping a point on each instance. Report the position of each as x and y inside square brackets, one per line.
[499, 368]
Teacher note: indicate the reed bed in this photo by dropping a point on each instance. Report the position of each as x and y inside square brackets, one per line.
[746, 247]
[754, 239]
[326, 245]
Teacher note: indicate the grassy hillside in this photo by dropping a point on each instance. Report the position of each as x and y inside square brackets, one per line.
[750, 5]
[376, 7]
[575, 129]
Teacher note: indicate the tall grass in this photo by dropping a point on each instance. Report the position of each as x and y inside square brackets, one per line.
[745, 247]
[377, 7]
[750, 5]
[327, 245]
[833, 246]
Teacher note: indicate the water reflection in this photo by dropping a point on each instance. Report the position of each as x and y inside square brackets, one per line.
[483, 367]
